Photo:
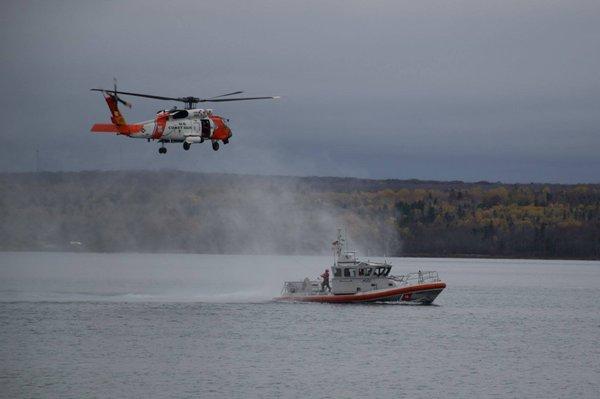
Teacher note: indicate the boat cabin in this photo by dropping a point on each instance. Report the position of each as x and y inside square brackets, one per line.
[351, 276]
[362, 270]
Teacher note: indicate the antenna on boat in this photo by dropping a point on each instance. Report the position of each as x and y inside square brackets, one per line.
[337, 245]
[345, 239]
[333, 249]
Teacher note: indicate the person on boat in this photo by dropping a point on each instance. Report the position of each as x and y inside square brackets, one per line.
[325, 282]
[420, 276]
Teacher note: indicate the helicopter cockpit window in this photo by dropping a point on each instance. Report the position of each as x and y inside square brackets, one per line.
[182, 113]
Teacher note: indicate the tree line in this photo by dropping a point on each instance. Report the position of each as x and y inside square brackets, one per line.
[222, 213]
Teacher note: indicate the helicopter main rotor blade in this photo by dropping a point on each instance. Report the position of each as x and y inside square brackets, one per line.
[191, 100]
[225, 95]
[142, 95]
[220, 100]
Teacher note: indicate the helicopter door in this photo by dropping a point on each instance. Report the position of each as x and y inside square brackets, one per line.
[205, 128]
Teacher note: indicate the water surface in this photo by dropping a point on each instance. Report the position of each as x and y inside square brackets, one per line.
[133, 325]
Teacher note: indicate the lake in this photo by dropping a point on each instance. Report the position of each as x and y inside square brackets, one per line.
[181, 325]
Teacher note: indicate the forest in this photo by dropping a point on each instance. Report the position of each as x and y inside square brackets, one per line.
[175, 211]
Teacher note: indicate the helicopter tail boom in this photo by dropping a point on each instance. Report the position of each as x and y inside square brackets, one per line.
[116, 116]
[119, 125]
[119, 129]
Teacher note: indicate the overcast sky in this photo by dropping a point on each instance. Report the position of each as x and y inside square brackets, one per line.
[466, 90]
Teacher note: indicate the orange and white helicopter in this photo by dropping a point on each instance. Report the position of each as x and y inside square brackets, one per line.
[188, 126]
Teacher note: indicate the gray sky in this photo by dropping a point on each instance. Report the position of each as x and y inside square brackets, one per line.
[467, 90]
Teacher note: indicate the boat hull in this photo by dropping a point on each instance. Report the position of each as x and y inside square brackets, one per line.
[419, 293]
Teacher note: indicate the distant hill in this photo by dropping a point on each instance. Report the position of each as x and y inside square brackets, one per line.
[152, 211]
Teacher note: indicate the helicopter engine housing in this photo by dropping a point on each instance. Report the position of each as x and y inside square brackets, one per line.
[193, 139]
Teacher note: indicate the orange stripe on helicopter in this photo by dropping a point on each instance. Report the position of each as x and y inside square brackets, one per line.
[159, 125]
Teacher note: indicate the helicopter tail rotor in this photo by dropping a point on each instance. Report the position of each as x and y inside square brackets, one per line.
[119, 99]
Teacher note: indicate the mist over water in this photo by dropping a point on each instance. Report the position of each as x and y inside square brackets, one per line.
[174, 211]
[179, 325]
[141, 277]
[269, 220]
[89, 277]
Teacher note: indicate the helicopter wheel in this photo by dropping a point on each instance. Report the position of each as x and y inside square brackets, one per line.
[162, 150]
[215, 145]
[186, 145]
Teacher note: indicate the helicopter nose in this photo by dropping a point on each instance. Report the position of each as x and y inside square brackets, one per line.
[221, 128]
[226, 127]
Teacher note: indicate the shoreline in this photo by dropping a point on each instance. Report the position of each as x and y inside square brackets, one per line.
[412, 255]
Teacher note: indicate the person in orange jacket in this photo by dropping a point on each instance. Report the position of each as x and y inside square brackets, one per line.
[325, 282]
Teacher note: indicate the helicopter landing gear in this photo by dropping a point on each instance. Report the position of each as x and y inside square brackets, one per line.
[215, 145]
[162, 150]
[186, 145]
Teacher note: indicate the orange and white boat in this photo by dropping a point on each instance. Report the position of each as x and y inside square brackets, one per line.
[356, 281]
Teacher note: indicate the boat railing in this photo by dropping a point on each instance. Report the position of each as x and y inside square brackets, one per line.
[420, 277]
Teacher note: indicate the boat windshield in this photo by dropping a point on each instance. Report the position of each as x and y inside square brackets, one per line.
[349, 272]
[382, 271]
[365, 271]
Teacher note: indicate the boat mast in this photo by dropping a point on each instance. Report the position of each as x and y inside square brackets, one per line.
[345, 239]
[337, 246]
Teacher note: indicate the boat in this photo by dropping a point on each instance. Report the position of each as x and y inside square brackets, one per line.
[362, 281]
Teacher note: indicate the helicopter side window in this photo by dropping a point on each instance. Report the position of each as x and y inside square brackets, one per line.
[337, 272]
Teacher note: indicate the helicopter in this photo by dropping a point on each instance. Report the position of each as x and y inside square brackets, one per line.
[188, 126]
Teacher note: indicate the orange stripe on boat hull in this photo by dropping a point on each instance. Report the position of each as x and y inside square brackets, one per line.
[366, 296]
